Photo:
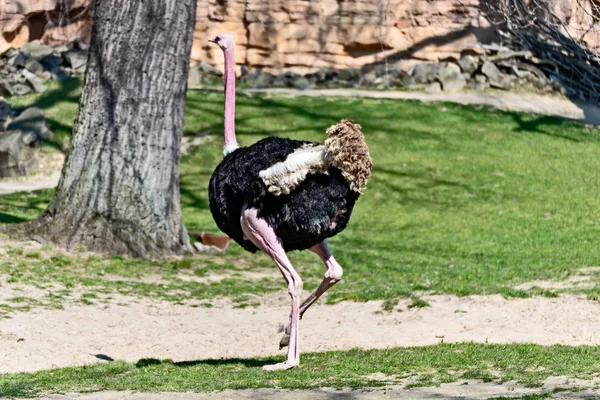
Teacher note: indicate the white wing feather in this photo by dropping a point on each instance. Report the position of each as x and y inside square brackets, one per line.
[286, 175]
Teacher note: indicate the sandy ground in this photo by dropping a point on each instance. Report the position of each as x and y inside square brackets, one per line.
[461, 390]
[44, 339]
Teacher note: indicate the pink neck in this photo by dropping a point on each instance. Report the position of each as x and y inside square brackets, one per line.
[230, 142]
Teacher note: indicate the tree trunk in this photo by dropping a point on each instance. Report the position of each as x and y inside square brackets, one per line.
[119, 190]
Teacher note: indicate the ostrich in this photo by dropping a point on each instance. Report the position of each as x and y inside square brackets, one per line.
[279, 195]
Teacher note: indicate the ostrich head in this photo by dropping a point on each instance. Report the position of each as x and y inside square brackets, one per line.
[224, 41]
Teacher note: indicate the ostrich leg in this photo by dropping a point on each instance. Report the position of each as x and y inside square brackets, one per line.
[332, 276]
[265, 238]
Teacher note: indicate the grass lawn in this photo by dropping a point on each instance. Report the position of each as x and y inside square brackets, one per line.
[422, 366]
[461, 200]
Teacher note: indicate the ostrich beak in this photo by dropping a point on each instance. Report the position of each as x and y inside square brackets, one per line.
[213, 40]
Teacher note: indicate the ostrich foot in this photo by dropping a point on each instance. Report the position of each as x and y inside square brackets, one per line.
[281, 366]
[285, 340]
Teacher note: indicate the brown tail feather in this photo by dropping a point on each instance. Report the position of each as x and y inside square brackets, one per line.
[349, 152]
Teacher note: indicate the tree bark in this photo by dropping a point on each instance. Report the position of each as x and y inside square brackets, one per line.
[119, 189]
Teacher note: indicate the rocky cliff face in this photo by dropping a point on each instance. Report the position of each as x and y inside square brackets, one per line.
[50, 21]
[297, 35]
[307, 35]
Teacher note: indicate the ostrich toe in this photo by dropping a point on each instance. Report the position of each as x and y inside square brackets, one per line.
[280, 366]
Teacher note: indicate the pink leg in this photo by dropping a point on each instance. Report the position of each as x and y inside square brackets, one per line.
[265, 238]
[332, 276]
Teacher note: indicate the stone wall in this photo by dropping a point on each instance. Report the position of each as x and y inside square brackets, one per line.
[298, 35]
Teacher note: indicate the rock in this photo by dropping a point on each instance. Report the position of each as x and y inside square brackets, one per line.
[451, 78]
[433, 87]
[322, 76]
[492, 73]
[10, 68]
[480, 82]
[301, 83]
[209, 69]
[263, 80]
[33, 124]
[468, 64]
[10, 53]
[247, 76]
[5, 88]
[479, 78]
[76, 59]
[278, 81]
[51, 62]
[34, 81]
[18, 89]
[45, 76]
[368, 79]
[505, 82]
[16, 157]
[424, 73]
[36, 50]
[23, 134]
[385, 82]
[381, 69]
[246, 71]
[194, 76]
[6, 115]
[18, 60]
[32, 65]
[59, 74]
[349, 74]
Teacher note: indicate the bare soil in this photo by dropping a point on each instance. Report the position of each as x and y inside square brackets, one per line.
[42, 339]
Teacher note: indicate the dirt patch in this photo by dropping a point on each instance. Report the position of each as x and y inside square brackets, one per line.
[463, 389]
[584, 278]
[164, 330]
[29, 184]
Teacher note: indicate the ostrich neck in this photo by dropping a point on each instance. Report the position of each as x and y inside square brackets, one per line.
[230, 142]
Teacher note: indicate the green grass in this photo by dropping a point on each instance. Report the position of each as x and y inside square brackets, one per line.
[461, 201]
[99, 280]
[423, 366]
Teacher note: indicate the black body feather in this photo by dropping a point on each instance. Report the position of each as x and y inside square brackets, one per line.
[318, 208]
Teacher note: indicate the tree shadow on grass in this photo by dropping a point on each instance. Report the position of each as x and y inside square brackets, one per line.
[10, 219]
[248, 362]
[29, 203]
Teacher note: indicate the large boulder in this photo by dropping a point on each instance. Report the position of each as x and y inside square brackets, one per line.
[423, 73]
[495, 77]
[35, 50]
[451, 78]
[35, 82]
[76, 59]
[203, 72]
[349, 74]
[32, 123]
[468, 64]
[17, 158]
